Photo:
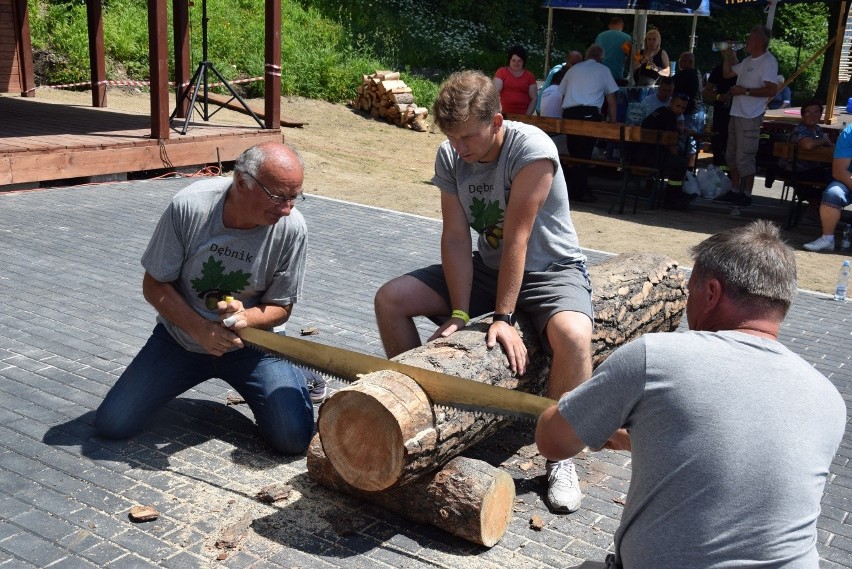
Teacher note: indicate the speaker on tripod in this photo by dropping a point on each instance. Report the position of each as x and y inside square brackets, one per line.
[200, 82]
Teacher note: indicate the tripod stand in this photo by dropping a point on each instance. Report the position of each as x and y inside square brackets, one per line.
[200, 82]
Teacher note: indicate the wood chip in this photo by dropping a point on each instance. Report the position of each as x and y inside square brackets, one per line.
[143, 514]
[310, 331]
[231, 536]
[274, 493]
[234, 400]
[536, 522]
[222, 556]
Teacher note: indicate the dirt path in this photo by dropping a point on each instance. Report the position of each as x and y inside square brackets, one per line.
[357, 159]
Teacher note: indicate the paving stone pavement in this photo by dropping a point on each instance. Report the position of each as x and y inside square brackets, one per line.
[73, 316]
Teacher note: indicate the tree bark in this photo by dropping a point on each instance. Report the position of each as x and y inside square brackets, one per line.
[383, 431]
[468, 498]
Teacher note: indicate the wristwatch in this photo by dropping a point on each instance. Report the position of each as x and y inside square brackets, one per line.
[748, 92]
[507, 318]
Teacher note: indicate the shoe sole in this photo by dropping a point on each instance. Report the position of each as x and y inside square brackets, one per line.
[317, 399]
[563, 509]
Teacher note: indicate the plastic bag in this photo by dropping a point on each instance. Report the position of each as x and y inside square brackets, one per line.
[708, 182]
[690, 185]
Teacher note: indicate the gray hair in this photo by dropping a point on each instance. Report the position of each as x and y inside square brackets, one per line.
[251, 160]
[595, 52]
[763, 32]
[465, 95]
[752, 262]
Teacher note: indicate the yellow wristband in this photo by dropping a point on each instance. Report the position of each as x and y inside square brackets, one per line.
[461, 315]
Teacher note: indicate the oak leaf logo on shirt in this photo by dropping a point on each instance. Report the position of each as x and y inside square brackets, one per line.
[486, 219]
[214, 284]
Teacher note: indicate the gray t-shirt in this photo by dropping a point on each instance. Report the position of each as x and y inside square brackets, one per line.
[732, 439]
[192, 248]
[484, 190]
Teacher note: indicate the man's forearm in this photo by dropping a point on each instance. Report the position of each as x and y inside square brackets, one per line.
[170, 304]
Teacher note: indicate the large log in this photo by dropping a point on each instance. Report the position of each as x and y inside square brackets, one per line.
[383, 431]
[467, 497]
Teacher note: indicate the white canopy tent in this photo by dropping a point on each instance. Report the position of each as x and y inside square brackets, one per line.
[641, 9]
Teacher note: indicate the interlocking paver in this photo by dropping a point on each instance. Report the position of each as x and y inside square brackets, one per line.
[75, 317]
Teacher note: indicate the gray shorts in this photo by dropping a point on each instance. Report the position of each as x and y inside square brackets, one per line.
[559, 288]
[743, 143]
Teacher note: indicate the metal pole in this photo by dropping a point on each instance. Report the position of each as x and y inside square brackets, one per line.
[692, 34]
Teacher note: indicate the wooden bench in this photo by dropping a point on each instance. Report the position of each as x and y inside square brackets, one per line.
[803, 190]
[624, 136]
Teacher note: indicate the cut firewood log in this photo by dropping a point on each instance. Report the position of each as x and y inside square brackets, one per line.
[387, 75]
[383, 431]
[401, 98]
[385, 86]
[467, 497]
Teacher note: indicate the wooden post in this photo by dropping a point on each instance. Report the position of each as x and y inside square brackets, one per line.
[272, 71]
[97, 67]
[159, 68]
[25, 49]
[835, 65]
[180, 17]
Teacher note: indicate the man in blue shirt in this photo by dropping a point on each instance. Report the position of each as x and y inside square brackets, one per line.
[616, 45]
[837, 195]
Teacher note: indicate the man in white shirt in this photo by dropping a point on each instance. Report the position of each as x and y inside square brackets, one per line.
[756, 81]
[584, 89]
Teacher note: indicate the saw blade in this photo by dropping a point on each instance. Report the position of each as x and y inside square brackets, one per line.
[441, 388]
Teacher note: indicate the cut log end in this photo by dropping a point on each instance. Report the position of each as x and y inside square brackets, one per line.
[367, 440]
[495, 515]
[365, 432]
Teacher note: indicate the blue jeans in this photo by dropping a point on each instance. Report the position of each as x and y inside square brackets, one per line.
[275, 391]
[836, 195]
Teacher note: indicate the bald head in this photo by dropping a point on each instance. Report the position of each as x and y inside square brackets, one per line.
[573, 58]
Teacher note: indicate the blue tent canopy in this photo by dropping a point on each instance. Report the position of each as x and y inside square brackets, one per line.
[659, 7]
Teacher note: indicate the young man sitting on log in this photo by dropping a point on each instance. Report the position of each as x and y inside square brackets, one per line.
[731, 433]
[528, 258]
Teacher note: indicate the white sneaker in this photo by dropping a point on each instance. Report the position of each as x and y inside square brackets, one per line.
[563, 488]
[824, 243]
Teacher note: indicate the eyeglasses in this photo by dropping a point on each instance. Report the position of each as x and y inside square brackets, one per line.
[276, 199]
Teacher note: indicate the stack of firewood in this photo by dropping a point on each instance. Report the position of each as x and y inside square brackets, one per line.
[385, 96]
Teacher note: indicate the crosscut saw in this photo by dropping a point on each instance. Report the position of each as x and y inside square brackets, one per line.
[441, 388]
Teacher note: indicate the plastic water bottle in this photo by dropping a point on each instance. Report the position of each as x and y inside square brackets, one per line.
[842, 283]
[846, 240]
[727, 44]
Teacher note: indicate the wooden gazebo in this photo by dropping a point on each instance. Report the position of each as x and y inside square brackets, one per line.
[47, 141]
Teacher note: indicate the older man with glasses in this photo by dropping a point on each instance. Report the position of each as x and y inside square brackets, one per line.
[227, 253]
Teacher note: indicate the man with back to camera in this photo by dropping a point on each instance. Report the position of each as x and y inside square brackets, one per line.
[584, 89]
[528, 257]
[227, 253]
[616, 45]
[731, 434]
